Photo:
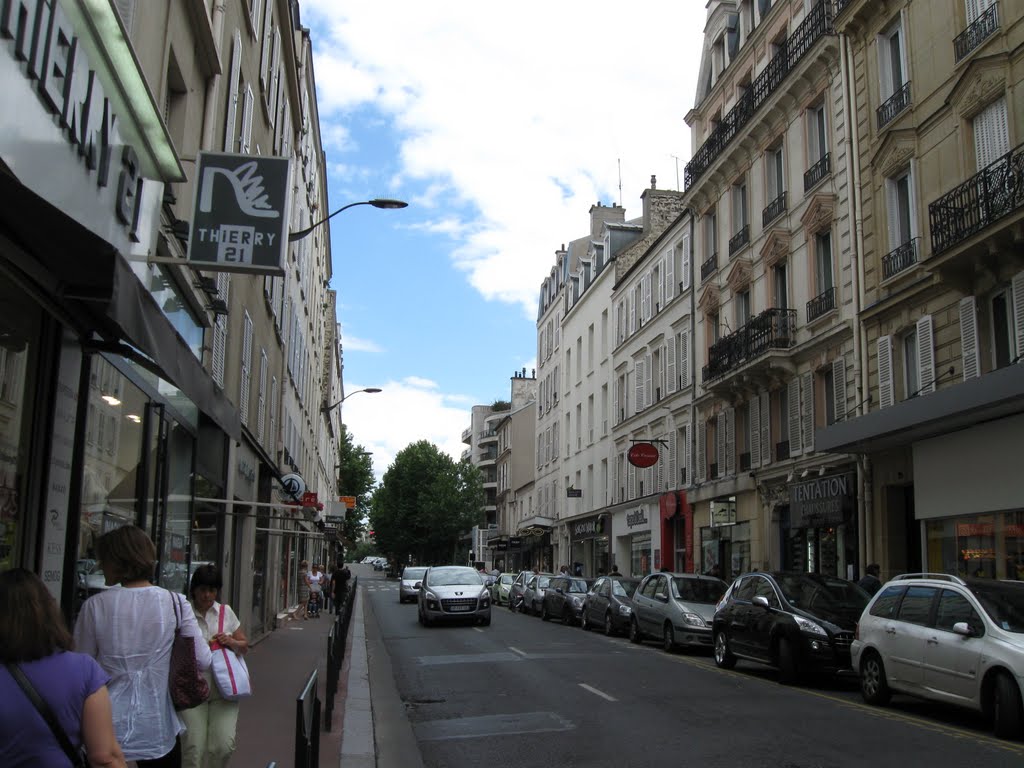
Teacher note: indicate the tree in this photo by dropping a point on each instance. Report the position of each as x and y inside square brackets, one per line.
[355, 478]
[425, 502]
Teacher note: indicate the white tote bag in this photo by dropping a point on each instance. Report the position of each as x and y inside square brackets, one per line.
[229, 670]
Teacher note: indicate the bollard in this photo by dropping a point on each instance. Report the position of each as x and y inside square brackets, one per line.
[333, 672]
[307, 725]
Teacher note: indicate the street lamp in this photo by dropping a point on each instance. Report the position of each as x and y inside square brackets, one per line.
[376, 203]
[368, 390]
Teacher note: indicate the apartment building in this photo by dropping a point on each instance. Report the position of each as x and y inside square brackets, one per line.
[482, 437]
[517, 432]
[938, 160]
[777, 297]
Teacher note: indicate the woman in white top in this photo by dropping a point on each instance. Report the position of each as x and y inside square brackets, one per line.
[129, 630]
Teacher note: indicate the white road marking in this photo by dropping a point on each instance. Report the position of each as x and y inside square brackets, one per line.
[478, 629]
[596, 692]
[516, 650]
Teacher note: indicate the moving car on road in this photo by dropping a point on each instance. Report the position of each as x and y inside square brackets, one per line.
[677, 608]
[609, 605]
[453, 593]
[409, 588]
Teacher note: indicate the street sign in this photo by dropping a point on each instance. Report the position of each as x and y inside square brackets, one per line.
[334, 519]
[348, 501]
[574, 493]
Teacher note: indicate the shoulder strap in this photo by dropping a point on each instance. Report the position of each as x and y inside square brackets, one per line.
[44, 709]
[220, 624]
[177, 610]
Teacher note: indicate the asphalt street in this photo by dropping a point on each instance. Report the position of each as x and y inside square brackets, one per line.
[524, 693]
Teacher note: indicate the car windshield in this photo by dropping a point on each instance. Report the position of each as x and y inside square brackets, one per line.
[543, 581]
[578, 585]
[507, 578]
[624, 587]
[1004, 603]
[411, 574]
[707, 591]
[450, 577]
[822, 593]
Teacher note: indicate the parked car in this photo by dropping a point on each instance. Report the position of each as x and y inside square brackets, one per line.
[91, 578]
[796, 622]
[609, 604]
[533, 594]
[409, 588]
[501, 587]
[380, 564]
[453, 593]
[677, 608]
[940, 637]
[563, 599]
[515, 592]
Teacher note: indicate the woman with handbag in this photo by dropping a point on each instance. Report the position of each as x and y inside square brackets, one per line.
[209, 740]
[131, 632]
[53, 703]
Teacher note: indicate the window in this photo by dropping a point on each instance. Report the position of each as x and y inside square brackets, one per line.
[892, 69]
[1001, 319]
[916, 607]
[684, 262]
[739, 208]
[911, 382]
[899, 201]
[885, 605]
[775, 174]
[817, 141]
[954, 608]
[779, 286]
[711, 233]
[991, 134]
[783, 414]
[763, 588]
[713, 330]
[742, 308]
[823, 261]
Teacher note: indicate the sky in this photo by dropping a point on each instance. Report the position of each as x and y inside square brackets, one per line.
[500, 125]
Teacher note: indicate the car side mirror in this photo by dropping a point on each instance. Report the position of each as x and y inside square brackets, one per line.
[762, 601]
[418, 585]
[559, 590]
[964, 629]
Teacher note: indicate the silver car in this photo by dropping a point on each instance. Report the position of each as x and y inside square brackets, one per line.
[409, 589]
[677, 608]
[501, 587]
[453, 593]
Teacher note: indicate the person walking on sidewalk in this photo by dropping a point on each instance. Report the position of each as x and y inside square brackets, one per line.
[303, 591]
[315, 579]
[209, 741]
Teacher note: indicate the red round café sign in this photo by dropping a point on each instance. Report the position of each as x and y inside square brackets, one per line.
[643, 455]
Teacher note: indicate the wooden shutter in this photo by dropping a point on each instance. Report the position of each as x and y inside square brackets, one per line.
[236, 68]
[687, 454]
[649, 380]
[991, 133]
[220, 331]
[701, 473]
[615, 401]
[685, 272]
[646, 311]
[268, 36]
[670, 275]
[1017, 292]
[969, 338]
[631, 312]
[766, 445]
[639, 377]
[673, 460]
[839, 388]
[754, 431]
[632, 482]
[617, 322]
[925, 356]
[261, 413]
[273, 412]
[795, 444]
[659, 468]
[720, 444]
[807, 411]
[885, 378]
[246, 372]
[247, 120]
[683, 362]
[671, 377]
[730, 442]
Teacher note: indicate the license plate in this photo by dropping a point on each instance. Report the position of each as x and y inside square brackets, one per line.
[461, 608]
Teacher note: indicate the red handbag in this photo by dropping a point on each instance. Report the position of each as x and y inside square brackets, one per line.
[187, 685]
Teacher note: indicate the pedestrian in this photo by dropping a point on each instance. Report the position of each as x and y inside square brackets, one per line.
[303, 588]
[209, 740]
[564, 570]
[614, 571]
[870, 582]
[337, 588]
[35, 641]
[315, 579]
[129, 631]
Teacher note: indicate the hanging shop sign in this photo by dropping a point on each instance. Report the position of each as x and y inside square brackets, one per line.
[292, 488]
[637, 518]
[822, 501]
[642, 455]
[723, 512]
[588, 528]
[238, 213]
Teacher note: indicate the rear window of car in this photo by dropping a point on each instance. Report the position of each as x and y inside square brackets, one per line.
[884, 606]
[624, 587]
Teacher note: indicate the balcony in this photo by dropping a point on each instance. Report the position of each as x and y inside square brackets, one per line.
[739, 240]
[892, 106]
[467, 434]
[707, 269]
[988, 196]
[821, 304]
[773, 210]
[815, 25]
[817, 172]
[980, 30]
[841, 5]
[487, 436]
[772, 329]
[899, 259]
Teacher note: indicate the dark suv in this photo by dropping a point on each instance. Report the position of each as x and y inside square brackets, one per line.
[796, 622]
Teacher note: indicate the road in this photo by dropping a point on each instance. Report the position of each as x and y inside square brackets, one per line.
[523, 693]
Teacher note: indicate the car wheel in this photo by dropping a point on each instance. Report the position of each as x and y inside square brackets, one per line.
[788, 671]
[634, 632]
[567, 617]
[669, 638]
[1007, 717]
[419, 616]
[723, 656]
[873, 685]
[544, 615]
[584, 621]
[609, 625]
[485, 622]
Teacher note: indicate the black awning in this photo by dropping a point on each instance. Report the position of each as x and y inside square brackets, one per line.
[96, 290]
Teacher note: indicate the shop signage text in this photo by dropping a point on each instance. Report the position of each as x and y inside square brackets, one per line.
[639, 517]
[821, 501]
[642, 455]
[585, 529]
[723, 512]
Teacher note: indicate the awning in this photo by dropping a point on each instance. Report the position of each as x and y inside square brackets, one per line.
[992, 396]
[96, 287]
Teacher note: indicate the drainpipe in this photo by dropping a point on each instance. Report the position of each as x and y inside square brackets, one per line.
[860, 368]
[213, 83]
[693, 543]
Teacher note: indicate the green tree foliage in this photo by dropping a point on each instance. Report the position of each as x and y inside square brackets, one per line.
[355, 478]
[424, 504]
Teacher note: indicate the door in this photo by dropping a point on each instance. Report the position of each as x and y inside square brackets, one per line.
[598, 599]
[905, 637]
[738, 616]
[762, 620]
[643, 601]
[952, 661]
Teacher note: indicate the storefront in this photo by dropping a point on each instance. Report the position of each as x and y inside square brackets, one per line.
[819, 526]
[676, 532]
[725, 543]
[637, 539]
[588, 545]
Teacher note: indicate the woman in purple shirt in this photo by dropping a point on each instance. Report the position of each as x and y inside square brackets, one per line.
[33, 637]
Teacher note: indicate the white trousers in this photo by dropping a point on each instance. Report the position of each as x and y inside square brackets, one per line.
[210, 739]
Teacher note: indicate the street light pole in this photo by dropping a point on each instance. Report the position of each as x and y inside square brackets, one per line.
[368, 390]
[385, 203]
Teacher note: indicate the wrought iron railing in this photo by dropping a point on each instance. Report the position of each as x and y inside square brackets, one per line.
[739, 240]
[707, 269]
[978, 32]
[899, 259]
[841, 5]
[892, 106]
[982, 200]
[772, 329]
[820, 304]
[773, 210]
[817, 172]
[815, 25]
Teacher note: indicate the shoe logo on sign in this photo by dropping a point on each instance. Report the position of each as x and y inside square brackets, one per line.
[292, 487]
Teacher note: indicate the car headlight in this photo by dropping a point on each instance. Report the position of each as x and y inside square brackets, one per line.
[625, 610]
[430, 596]
[810, 627]
[693, 620]
[576, 601]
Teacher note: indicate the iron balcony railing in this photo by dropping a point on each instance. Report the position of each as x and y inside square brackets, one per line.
[822, 303]
[740, 239]
[982, 200]
[772, 329]
[841, 5]
[892, 106]
[815, 25]
[899, 259]
[707, 269]
[980, 30]
[773, 210]
[817, 172]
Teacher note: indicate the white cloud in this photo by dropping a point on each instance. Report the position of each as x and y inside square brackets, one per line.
[419, 383]
[356, 344]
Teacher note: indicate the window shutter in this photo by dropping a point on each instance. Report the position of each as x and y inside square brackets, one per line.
[687, 454]
[720, 445]
[632, 482]
[925, 356]
[766, 446]
[617, 320]
[972, 11]
[1000, 128]
[673, 472]
[702, 451]
[638, 386]
[893, 214]
[672, 380]
[261, 414]
[631, 309]
[273, 412]
[730, 442]
[648, 381]
[647, 309]
[247, 121]
[969, 338]
[885, 379]
[684, 359]
[754, 430]
[615, 402]
[268, 36]
[220, 331]
[1017, 291]
[795, 444]
[236, 68]
[276, 75]
[126, 10]
[839, 388]
[670, 275]
[807, 411]
[246, 372]
[659, 472]
[684, 262]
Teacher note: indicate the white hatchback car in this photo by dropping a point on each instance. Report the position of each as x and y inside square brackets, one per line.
[453, 593]
[941, 637]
